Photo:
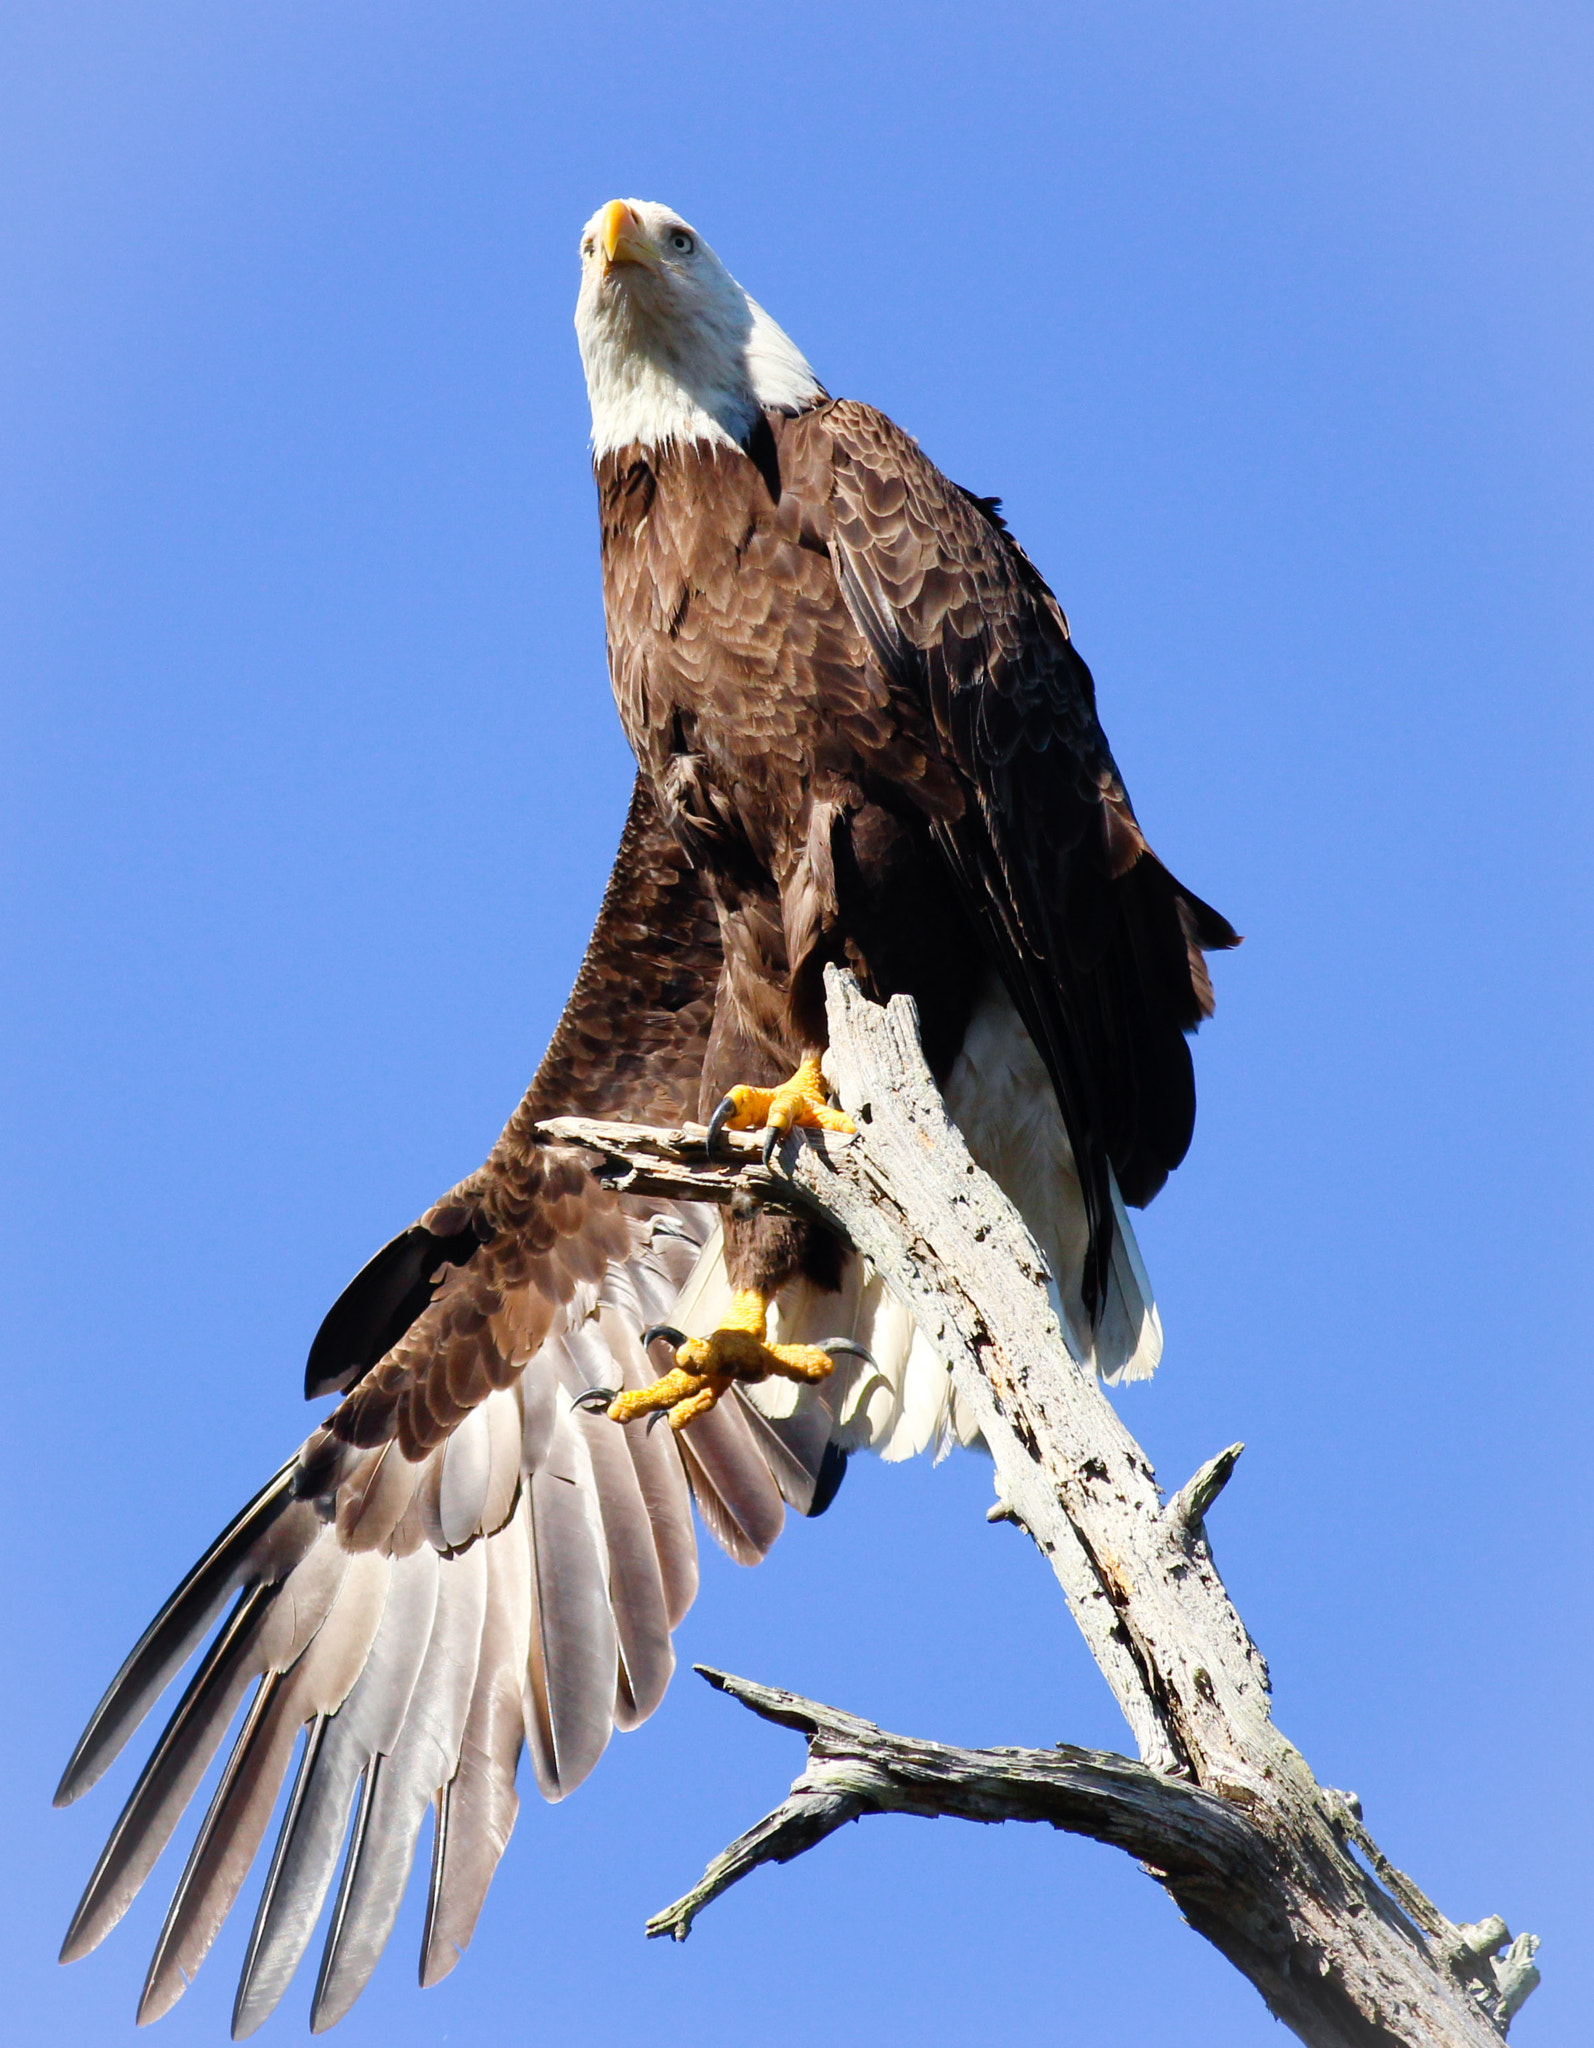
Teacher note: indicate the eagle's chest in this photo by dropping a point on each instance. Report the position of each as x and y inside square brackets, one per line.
[716, 618]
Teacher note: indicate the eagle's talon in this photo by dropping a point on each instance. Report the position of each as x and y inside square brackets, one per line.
[680, 1387]
[593, 1400]
[717, 1123]
[654, 1331]
[705, 1367]
[843, 1347]
[802, 1103]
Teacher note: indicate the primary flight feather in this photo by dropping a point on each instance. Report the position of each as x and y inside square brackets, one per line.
[863, 736]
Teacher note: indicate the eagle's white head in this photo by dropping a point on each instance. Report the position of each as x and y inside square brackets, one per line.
[673, 348]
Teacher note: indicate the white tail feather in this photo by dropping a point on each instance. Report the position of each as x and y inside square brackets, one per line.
[701, 1304]
[1000, 1096]
[1129, 1337]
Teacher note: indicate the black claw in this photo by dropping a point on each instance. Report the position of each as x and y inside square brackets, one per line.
[772, 1137]
[595, 1399]
[656, 1416]
[654, 1331]
[717, 1122]
[843, 1347]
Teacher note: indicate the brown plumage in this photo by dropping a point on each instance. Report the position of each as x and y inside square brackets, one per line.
[863, 736]
[530, 1225]
[862, 714]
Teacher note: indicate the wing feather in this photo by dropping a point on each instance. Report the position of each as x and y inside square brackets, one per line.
[476, 1810]
[316, 1685]
[459, 1563]
[168, 1780]
[735, 1491]
[254, 1546]
[417, 1767]
[464, 1470]
[342, 1752]
[635, 1582]
[268, 1629]
[661, 1479]
[574, 1656]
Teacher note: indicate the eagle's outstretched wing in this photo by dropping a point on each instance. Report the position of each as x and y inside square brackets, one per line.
[1100, 946]
[467, 1561]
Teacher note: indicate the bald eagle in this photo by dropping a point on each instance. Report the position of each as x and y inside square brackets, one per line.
[862, 736]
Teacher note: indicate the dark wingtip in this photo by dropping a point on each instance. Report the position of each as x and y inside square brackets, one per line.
[1210, 929]
[171, 1637]
[379, 1304]
[827, 1481]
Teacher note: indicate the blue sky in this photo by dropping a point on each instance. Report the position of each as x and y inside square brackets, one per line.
[1270, 324]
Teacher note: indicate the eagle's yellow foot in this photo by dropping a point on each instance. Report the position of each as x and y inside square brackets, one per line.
[706, 1366]
[680, 1395]
[803, 1101]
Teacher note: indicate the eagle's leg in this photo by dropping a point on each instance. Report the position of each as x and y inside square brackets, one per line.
[706, 1366]
[803, 1101]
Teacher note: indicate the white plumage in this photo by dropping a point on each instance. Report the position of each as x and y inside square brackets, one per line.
[1001, 1098]
[698, 379]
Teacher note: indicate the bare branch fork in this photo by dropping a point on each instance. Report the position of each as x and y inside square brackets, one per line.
[1274, 1869]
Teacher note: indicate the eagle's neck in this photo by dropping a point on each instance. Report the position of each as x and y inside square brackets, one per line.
[640, 402]
[655, 385]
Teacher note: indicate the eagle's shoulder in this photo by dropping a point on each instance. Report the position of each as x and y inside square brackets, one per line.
[859, 441]
[909, 541]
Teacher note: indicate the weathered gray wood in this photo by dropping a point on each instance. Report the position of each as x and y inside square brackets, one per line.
[1187, 1511]
[645, 1159]
[1290, 1887]
[855, 1768]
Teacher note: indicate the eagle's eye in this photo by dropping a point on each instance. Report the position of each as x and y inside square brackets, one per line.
[588, 246]
[681, 242]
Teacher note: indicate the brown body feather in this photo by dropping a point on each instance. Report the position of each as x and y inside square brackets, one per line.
[860, 711]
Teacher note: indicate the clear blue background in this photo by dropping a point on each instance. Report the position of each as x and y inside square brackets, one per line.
[1271, 324]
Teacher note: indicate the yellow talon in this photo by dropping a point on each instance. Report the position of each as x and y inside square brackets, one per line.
[677, 1389]
[688, 1411]
[802, 1102]
[707, 1366]
[739, 1349]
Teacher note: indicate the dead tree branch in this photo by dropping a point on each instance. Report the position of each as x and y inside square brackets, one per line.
[854, 1768]
[1275, 1870]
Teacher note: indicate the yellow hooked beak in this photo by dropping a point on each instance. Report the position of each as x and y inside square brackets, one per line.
[623, 239]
